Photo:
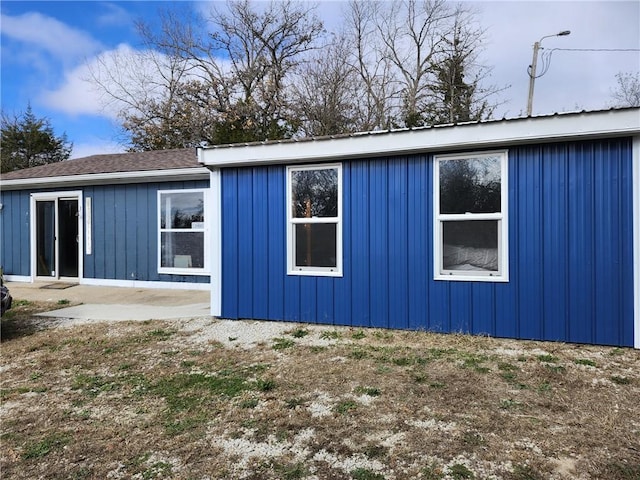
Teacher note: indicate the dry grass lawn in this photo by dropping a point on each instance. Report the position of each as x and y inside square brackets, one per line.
[159, 400]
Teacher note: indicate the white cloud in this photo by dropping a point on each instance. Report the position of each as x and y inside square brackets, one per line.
[114, 15]
[132, 77]
[78, 96]
[124, 70]
[49, 35]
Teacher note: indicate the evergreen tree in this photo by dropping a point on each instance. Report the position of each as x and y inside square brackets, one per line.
[456, 92]
[27, 141]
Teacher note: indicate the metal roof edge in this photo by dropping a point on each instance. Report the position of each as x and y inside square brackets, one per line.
[138, 176]
[556, 127]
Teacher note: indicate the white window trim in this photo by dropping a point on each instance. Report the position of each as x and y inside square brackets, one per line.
[207, 222]
[503, 224]
[292, 269]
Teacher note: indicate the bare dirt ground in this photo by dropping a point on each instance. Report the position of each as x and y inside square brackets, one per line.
[206, 399]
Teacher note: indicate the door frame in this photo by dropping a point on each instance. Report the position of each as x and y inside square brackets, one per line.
[56, 196]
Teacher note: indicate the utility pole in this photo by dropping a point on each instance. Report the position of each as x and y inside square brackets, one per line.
[534, 65]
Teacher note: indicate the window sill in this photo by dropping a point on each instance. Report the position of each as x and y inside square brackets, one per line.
[315, 273]
[458, 277]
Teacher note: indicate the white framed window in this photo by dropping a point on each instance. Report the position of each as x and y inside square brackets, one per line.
[183, 231]
[470, 217]
[314, 220]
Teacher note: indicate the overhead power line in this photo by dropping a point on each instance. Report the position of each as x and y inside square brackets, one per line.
[597, 49]
[546, 54]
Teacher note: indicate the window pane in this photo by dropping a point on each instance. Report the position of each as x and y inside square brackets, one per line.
[181, 210]
[45, 238]
[182, 249]
[470, 185]
[315, 245]
[314, 193]
[470, 245]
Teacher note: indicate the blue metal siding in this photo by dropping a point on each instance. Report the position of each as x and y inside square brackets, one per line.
[14, 233]
[570, 249]
[276, 269]
[555, 274]
[124, 231]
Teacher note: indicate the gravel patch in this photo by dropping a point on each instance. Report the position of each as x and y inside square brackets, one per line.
[245, 334]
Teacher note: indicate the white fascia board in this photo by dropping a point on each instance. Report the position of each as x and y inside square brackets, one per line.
[144, 176]
[438, 138]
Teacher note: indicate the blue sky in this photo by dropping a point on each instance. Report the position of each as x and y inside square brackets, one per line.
[47, 46]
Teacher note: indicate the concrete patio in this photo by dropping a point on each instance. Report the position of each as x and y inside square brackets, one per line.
[114, 303]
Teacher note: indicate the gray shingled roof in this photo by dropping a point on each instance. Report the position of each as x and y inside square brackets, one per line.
[112, 163]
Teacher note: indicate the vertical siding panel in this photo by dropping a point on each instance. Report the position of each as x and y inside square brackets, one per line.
[15, 233]
[8, 230]
[260, 246]
[25, 242]
[109, 232]
[292, 298]
[131, 232]
[144, 238]
[325, 300]
[554, 266]
[624, 239]
[580, 244]
[483, 308]
[245, 243]
[530, 255]
[360, 247]
[230, 198]
[460, 306]
[24, 220]
[507, 299]
[398, 244]
[625, 205]
[121, 211]
[342, 287]
[308, 299]
[440, 316]
[607, 328]
[379, 254]
[276, 251]
[419, 244]
[11, 233]
[151, 223]
[21, 238]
